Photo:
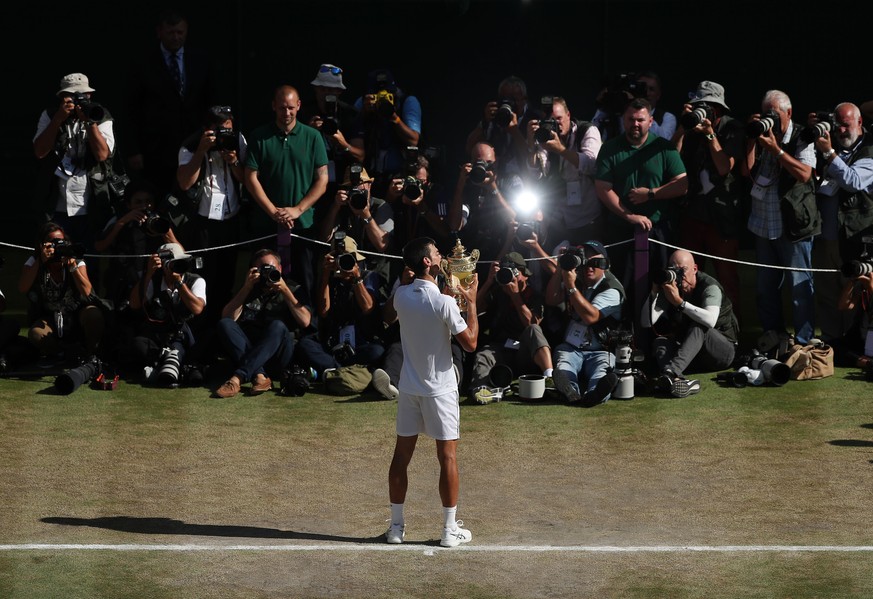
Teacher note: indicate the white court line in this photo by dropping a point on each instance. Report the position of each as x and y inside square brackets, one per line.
[430, 549]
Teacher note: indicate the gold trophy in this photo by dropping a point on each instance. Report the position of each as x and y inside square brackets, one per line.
[458, 270]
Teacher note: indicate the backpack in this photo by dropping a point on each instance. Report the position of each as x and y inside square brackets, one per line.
[347, 380]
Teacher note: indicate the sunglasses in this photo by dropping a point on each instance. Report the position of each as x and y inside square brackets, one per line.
[331, 70]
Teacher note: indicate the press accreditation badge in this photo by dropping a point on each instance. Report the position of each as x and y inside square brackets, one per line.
[574, 193]
[759, 189]
[216, 208]
[575, 334]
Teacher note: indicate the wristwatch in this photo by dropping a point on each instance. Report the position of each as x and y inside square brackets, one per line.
[651, 195]
[827, 155]
[681, 307]
[710, 136]
[366, 220]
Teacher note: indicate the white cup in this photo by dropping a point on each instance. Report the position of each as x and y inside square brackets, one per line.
[531, 386]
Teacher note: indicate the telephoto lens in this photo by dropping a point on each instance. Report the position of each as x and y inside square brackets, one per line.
[168, 371]
[346, 262]
[74, 378]
[358, 199]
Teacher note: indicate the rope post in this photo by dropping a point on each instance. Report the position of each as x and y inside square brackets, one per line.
[641, 281]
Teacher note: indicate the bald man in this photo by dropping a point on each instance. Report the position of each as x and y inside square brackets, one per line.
[694, 321]
[286, 174]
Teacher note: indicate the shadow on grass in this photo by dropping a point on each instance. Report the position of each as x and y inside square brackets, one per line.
[851, 443]
[168, 526]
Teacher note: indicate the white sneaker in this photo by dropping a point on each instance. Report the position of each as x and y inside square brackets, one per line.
[453, 538]
[382, 384]
[395, 534]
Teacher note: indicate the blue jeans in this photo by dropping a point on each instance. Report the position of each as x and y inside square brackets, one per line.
[781, 252]
[314, 353]
[591, 365]
[251, 351]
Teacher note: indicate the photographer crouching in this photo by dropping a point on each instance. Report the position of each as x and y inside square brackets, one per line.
[258, 324]
[694, 321]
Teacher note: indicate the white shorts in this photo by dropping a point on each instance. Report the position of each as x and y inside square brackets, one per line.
[438, 417]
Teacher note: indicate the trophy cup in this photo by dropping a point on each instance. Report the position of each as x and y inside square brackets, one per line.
[458, 270]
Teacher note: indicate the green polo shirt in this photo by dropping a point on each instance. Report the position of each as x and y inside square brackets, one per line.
[651, 165]
[286, 166]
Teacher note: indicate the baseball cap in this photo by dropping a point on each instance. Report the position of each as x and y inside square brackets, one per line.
[75, 83]
[176, 249]
[351, 247]
[515, 260]
[593, 248]
[329, 76]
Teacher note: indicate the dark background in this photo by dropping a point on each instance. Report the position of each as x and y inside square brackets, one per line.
[449, 53]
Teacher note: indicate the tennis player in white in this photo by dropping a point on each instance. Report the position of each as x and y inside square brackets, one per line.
[428, 401]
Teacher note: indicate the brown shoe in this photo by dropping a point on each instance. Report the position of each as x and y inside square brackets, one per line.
[229, 388]
[260, 384]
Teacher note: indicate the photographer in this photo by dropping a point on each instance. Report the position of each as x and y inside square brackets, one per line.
[169, 295]
[695, 323]
[479, 210]
[562, 156]
[845, 197]
[362, 216]
[504, 125]
[75, 144]
[780, 166]
[258, 325]
[63, 309]
[210, 177]
[391, 120]
[510, 332]
[346, 300]
[592, 299]
[623, 88]
[133, 234]
[711, 145]
[855, 348]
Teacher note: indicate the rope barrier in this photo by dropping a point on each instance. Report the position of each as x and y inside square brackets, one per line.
[396, 257]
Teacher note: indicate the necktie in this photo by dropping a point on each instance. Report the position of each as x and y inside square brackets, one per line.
[175, 72]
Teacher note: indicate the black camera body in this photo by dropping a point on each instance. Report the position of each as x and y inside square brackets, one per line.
[699, 112]
[155, 225]
[769, 121]
[66, 249]
[619, 90]
[343, 352]
[572, 258]
[226, 139]
[412, 188]
[479, 171]
[544, 132]
[825, 123]
[526, 231]
[91, 110]
[358, 199]
[295, 381]
[505, 110]
[506, 275]
[329, 122]
[671, 274]
[270, 275]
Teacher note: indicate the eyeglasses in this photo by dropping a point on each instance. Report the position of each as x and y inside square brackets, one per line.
[332, 70]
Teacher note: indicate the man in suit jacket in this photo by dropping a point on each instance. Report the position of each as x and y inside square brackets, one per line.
[169, 90]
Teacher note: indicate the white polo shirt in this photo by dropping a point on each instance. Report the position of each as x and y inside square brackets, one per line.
[428, 320]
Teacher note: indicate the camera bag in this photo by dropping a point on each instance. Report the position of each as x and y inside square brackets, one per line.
[347, 380]
[811, 361]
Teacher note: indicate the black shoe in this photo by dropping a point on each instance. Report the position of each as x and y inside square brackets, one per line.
[602, 389]
[664, 383]
[565, 387]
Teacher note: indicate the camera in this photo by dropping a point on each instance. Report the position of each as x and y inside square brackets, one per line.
[226, 139]
[774, 371]
[769, 120]
[67, 249]
[506, 275]
[338, 244]
[91, 110]
[526, 231]
[699, 112]
[619, 90]
[329, 123]
[384, 103]
[412, 188]
[168, 368]
[295, 381]
[671, 274]
[180, 265]
[479, 171]
[823, 126]
[358, 199]
[343, 352]
[155, 225]
[71, 380]
[504, 112]
[732, 379]
[344, 259]
[270, 275]
[572, 258]
[863, 265]
[544, 132]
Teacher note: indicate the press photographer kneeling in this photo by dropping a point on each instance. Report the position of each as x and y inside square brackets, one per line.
[694, 322]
